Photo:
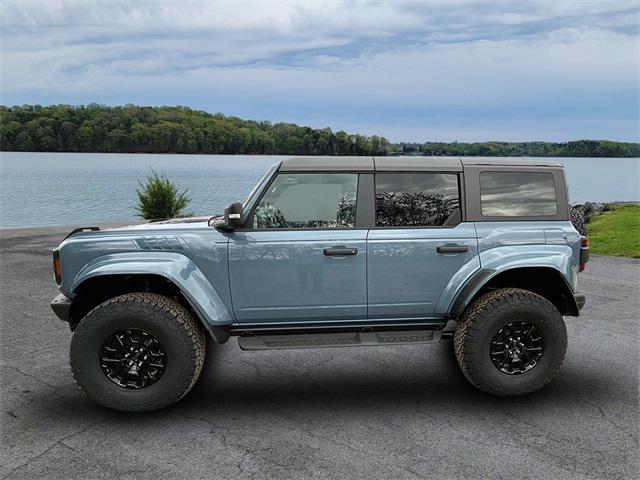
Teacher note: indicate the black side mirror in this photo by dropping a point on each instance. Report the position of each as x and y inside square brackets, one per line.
[233, 217]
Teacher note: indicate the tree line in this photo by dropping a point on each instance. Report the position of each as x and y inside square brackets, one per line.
[578, 148]
[136, 129]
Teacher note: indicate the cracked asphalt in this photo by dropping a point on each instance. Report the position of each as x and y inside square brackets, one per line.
[357, 413]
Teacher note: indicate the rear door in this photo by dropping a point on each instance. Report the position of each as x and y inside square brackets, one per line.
[302, 258]
[419, 243]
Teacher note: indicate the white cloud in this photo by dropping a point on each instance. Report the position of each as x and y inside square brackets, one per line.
[419, 57]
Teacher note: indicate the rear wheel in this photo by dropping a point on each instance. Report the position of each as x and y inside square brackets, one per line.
[510, 342]
[137, 352]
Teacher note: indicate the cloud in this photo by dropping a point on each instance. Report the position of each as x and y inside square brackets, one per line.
[445, 65]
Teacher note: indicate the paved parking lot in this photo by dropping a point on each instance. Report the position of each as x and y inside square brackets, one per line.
[379, 412]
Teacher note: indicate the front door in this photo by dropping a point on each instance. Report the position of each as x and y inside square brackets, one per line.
[418, 244]
[301, 257]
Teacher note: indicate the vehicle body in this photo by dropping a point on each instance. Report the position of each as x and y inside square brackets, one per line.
[344, 251]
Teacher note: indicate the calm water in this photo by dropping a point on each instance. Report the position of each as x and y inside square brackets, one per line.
[38, 189]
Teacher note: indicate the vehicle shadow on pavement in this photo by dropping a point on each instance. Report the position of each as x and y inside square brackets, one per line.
[341, 380]
[316, 405]
[433, 378]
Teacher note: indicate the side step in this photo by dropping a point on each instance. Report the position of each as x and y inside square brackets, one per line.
[337, 339]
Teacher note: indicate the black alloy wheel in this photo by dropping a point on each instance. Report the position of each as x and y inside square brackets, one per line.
[517, 348]
[133, 359]
[510, 341]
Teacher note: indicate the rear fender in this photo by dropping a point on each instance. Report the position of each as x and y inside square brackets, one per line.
[499, 260]
[558, 257]
[468, 270]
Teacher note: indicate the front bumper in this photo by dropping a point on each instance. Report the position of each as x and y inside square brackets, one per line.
[61, 306]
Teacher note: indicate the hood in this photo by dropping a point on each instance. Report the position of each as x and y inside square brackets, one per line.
[170, 224]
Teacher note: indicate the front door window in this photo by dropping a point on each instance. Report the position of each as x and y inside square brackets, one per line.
[308, 200]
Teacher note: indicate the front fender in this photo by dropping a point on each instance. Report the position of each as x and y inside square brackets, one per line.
[177, 268]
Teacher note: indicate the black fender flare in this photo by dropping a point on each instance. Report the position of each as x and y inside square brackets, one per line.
[566, 301]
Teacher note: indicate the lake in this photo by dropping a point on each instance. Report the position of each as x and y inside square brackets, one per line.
[41, 189]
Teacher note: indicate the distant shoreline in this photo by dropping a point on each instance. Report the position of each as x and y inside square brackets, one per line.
[180, 130]
[291, 154]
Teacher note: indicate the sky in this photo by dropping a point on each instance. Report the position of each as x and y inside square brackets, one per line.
[441, 70]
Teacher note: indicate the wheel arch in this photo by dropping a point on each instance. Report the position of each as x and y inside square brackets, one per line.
[169, 274]
[545, 281]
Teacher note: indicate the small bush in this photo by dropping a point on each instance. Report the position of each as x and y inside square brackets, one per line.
[159, 199]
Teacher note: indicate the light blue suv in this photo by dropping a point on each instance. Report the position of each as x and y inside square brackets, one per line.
[328, 252]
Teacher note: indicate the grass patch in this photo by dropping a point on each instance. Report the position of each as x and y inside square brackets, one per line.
[616, 232]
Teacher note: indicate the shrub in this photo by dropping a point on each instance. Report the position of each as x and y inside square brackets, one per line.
[159, 198]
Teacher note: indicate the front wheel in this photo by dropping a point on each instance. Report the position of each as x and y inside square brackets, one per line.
[137, 352]
[510, 342]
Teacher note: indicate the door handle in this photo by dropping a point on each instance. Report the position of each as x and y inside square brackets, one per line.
[339, 251]
[452, 248]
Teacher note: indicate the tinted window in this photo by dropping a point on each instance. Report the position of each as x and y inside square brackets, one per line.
[309, 200]
[516, 194]
[417, 199]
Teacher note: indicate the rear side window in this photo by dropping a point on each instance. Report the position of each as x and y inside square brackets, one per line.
[309, 200]
[417, 199]
[518, 194]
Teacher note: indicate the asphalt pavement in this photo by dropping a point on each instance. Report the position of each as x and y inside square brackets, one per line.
[339, 413]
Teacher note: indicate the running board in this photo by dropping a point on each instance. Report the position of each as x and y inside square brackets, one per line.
[337, 339]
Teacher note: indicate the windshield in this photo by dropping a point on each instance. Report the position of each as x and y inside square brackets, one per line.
[251, 198]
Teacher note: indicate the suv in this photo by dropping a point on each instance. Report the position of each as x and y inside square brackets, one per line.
[333, 252]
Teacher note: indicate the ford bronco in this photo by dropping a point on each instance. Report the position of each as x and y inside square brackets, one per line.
[333, 252]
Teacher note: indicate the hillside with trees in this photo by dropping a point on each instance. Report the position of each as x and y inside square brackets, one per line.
[136, 129]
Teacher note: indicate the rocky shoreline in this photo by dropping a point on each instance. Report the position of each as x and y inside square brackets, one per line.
[589, 209]
[581, 214]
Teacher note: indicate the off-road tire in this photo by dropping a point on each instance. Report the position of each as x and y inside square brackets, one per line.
[174, 327]
[485, 317]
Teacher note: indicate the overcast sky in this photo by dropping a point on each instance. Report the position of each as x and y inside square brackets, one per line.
[409, 70]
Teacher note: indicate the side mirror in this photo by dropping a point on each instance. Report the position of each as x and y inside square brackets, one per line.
[233, 217]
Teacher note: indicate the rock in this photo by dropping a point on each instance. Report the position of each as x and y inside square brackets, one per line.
[589, 209]
[577, 219]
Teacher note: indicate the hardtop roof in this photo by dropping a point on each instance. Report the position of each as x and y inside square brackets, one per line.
[403, 163]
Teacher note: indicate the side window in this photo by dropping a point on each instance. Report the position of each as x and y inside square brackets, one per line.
[417, 199]
[309, 200]
[516, 194]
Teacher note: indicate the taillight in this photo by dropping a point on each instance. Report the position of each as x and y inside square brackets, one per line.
[584, 253]
[57, 273]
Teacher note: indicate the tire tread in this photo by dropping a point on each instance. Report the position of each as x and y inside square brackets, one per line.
[476, 316]
[187, 329]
